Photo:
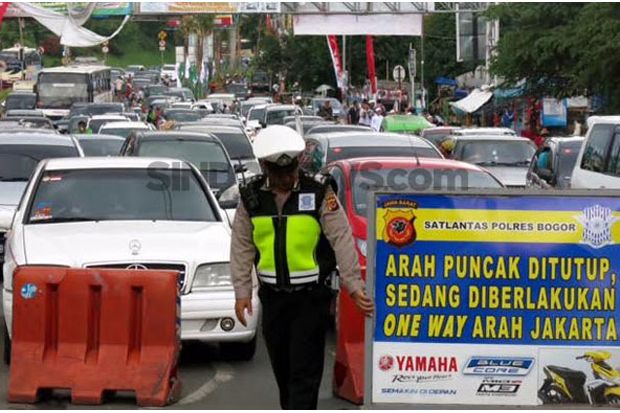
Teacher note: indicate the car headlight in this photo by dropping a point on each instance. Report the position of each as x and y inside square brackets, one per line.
[212, 275]
[361, 245]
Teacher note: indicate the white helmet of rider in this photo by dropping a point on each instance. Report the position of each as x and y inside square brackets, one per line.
[278, 144]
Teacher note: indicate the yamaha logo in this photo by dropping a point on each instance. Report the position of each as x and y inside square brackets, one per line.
[386, 363]
[135, 247]
[136, 267]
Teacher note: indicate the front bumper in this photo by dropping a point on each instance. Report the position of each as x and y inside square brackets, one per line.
[202, 313]
[201, 316]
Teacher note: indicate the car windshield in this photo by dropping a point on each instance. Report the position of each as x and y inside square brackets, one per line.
[20, 101]
[349, 152]
[185, 116]
[489, 153]
[102, 109]
[245, 108]
[566, 161]
[155, 89]
[276, 117]
[257, 114]
[101, 147]
[168, 67]
[18, 161]
[122, 132]
[122, 194]
[415, 180]
[237, 144]
[207, 156]
[96, 124]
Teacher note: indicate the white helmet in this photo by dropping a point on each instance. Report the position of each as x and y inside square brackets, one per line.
[278, 144]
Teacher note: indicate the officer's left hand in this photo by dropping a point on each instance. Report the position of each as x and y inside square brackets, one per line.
[363, 302]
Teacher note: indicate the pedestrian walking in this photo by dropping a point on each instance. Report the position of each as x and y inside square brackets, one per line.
[377, 120]
[365, 114]
[292, 227]
[353, 116]
[118, 88]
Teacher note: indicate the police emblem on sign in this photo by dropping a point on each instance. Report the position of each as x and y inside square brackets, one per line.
[597, 222]
[399, 221]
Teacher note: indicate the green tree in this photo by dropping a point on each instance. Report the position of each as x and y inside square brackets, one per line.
[560, 50]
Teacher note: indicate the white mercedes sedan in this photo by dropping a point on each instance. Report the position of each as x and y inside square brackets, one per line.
[133, 213]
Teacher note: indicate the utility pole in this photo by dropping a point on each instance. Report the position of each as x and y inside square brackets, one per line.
[345, 76]
[20, 23]
[422, 66]
[412, 74]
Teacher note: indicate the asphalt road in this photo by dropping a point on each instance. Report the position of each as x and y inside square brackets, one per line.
[209, 382]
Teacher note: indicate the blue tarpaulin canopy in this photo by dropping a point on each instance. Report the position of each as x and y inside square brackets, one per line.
[445, 81]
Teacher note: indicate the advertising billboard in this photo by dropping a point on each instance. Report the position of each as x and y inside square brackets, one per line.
[494, 298]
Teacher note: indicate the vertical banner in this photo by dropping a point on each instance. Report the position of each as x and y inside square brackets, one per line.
[495, 298]
[334, 51]
[370, 61]
[3, 8]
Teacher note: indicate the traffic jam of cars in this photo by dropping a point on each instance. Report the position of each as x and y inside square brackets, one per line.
[151, 180]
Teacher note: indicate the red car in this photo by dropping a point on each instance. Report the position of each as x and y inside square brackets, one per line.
[355, 179]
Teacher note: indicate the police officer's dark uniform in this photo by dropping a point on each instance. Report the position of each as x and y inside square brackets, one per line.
[290, 238]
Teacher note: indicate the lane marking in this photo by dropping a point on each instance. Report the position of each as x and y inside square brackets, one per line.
[223, 373]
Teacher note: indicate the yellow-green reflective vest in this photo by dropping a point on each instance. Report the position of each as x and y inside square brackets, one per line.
[292, 249]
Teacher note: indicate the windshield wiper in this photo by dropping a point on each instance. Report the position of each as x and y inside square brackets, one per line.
[214, 170]
[494, 163]
[13, 179]
[55, 220]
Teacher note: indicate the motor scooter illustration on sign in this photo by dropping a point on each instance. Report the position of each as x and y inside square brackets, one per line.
[564, 385]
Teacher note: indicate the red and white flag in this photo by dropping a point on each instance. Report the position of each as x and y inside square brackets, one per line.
[334, 51]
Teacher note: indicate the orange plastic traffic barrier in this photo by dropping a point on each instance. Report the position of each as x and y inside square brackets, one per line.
[348, 380]
[95, 330]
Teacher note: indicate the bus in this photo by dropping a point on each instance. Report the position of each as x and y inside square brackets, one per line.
[18, 59]
[60, 87]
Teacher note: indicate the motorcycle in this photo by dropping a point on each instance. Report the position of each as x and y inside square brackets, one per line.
[563, 385]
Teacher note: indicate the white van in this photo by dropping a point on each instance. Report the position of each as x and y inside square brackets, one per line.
[598, 162]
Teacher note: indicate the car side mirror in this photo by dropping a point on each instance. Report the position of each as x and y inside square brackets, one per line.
[230, 204]
[239, 168]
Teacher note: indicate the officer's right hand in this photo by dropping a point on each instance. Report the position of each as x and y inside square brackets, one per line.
[242, 304]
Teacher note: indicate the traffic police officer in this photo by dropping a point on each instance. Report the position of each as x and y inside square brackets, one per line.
[293, 229]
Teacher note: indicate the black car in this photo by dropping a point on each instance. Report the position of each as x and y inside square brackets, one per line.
[553, 163]
[239, 89]
[205, 151]
[20, 100]
[182, 115]
[260, 83]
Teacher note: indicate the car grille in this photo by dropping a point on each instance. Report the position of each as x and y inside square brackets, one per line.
[142, 266]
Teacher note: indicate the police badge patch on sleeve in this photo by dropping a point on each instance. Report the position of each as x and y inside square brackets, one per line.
[331, 203]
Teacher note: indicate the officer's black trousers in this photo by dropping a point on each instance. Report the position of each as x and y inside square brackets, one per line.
[294, 326]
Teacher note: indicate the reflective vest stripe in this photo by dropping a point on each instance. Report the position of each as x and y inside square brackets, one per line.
[271, 279]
